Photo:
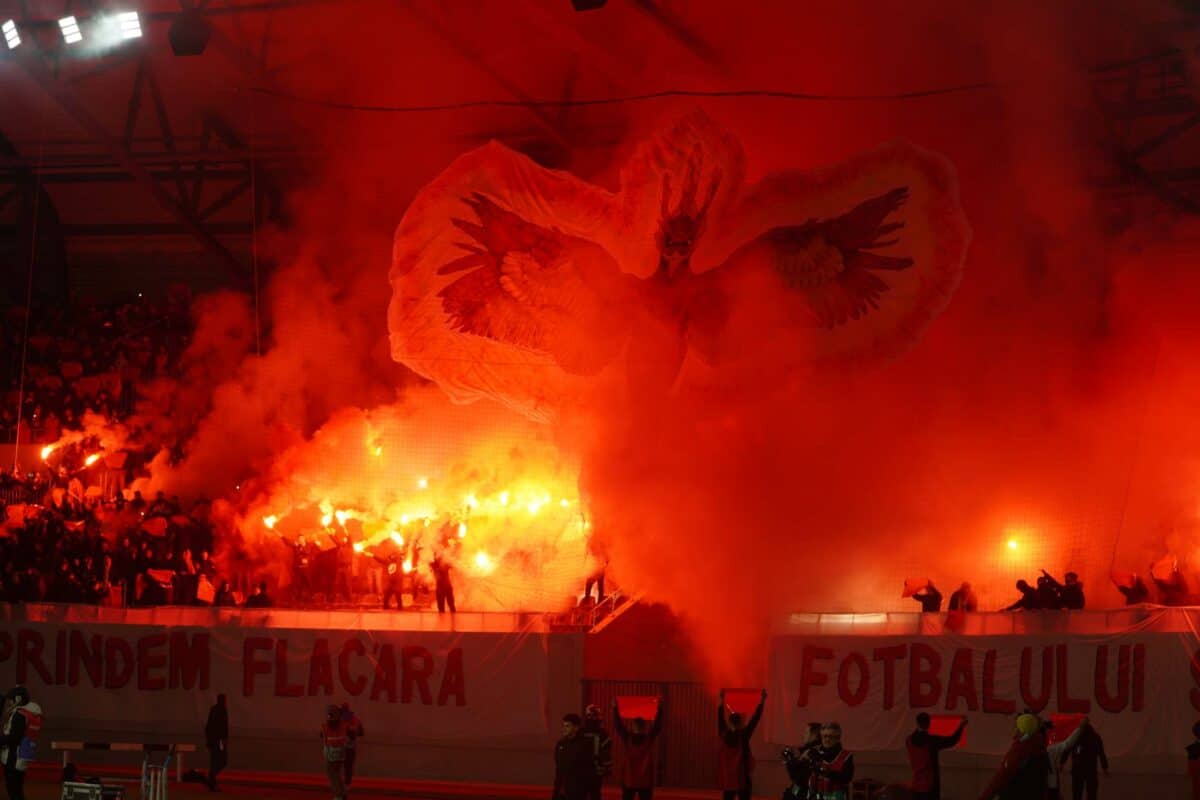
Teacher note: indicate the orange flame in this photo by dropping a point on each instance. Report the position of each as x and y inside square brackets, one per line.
[92, 459]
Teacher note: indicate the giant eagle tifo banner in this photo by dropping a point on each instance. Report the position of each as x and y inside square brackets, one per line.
[534, 287]
[432, 685]
[1139, 685]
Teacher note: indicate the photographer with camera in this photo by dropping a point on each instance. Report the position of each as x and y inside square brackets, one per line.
[923, 748]
[797, 762]
[832, 766]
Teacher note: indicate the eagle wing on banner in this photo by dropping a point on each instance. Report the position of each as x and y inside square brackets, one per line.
[534, 287]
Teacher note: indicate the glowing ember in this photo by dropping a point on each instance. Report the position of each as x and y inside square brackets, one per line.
[92, 459]
[46, 451]
[1012, 544]
[407, 566]
[378, 451]
[483, 561]
[482, 486]
[564, 502]
[270, 520]
[534, 507]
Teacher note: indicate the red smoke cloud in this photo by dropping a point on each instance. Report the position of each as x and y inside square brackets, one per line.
[1052, 402]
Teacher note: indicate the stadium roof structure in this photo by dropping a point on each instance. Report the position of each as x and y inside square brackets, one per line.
[115, 142]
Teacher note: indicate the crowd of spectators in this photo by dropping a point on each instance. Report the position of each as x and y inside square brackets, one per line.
[71, 550]
[84, 358]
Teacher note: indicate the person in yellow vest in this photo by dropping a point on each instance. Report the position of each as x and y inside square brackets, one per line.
[334, 733]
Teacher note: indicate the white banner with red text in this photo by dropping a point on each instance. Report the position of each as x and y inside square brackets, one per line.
[1140, 690]
[440, 685]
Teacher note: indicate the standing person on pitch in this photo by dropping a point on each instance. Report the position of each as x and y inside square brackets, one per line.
[593, 731]
[216, 738]
[354, 732]
[735, 763]
[1057, 754]
[637, 754]
[833, 766]
[1193, 757]
[19, 731]
[1087, 753]
[574, 762]
[333, 737]
[799, 764]
[1023, 771]
[923, 748]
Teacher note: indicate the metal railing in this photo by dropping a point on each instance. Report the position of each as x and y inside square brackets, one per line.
[1148, 618]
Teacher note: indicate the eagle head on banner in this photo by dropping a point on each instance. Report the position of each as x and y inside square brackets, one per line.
[534, 287]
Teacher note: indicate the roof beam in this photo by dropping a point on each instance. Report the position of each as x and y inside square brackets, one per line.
[541, 118]
[66, 99]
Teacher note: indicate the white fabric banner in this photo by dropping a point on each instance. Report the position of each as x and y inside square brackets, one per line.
[405, 685]
[1141, 690]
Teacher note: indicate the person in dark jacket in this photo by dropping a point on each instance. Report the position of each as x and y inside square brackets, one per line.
[1087, 753]
[354, 732]
[923, 748]
[1025, 769]
[1069, 594]
[1135, 594]
[593, 730]
[443, 586]
[636, 771]
[1028, 601]
[574, 762]
[735, 763]
[798, 764]
[19, 727]
[1048, 598]
[260, 598]
[930, 599]
[216, 738]
[1193, 761]
[963, 599]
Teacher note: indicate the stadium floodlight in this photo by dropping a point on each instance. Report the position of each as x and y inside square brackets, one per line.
[11, 37]
[70, 30]
[129, 25]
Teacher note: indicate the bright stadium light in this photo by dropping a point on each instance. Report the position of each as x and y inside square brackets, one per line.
[11, 37]
[70, 30]
[129, 25]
